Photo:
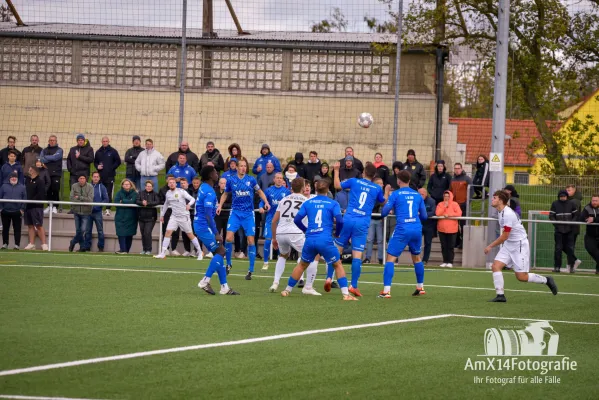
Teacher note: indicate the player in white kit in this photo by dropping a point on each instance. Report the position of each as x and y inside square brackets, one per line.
[514, 252]
[286, 235]
[177, 200]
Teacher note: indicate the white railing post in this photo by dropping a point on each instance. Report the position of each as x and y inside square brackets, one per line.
[384, 240]
[50, 208]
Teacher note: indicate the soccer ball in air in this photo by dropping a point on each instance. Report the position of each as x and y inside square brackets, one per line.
[365, 120]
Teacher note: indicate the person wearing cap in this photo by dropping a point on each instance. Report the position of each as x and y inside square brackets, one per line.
[416, 169]
[149, 163]
[192, 158]
[563, 209]
[265, 156]
[11, 213]
[51, 157]
[439, 182]
[213, 158]
[106, 161]
[34, 212]
[130, 156]
[10, 145]
[11, 165]
[30, 154]
[80, 159]
[231, 168]
[348, 169]
[349, 151]
[81, 192]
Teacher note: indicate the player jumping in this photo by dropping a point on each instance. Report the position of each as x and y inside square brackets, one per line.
[514, 251]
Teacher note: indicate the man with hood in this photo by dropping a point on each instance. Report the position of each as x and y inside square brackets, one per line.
[80, 159]
[11, 165]
[106, 161]
[265, 156]
[231, 168]
[563, 209]
[393, 179]
[192, 158]
[212, 158]
[130, 156]
[11, 141]
[51, 156]
[300, 165]
[234, 152]
[267, 179]
[31, 154]
[348, 170]
[590, 215]
[576, 197]
[312, 166]
[439, 182]
[481, 176]
[416, 169]
[514, 202]
[182, 170]
[349, 151]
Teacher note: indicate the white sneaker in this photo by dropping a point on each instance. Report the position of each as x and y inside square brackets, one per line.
[187, 254]
[46, 210]
[54, 210]
[443, 265]
[107, 213]
[265, 267]
[16, 247]
[448, 265]
[240, 255]
[274, 287]
[200, 256]
[161, 255]
[576, 265]
[143, 253]
[175, 253]
[30, 246]
[44, 247]
[209, 255]
[310, 291]
[167, 253]
[5, 246]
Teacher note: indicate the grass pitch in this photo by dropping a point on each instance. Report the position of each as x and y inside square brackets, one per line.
[57, 308]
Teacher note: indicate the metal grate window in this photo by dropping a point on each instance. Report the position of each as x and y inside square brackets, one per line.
[521, 178]
[36, 60]
[339, 71]
[247, 68]
[140, 64]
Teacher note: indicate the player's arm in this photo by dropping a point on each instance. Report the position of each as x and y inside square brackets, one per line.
[164, 208]
[261, 204]
[273, 229]
[189, 198]
[223, 197]
[263, 197]
[299, 217]
[336, 181]
[504, 236]
[388, 206]
[338, 219]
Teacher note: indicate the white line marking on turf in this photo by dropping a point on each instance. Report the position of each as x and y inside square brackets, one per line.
[526, 319]
[14, 396]
[213, 345]
[270, 277]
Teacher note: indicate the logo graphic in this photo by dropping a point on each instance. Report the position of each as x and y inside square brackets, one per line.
[537, 339]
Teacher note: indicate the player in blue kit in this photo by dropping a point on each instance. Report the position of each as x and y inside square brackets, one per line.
[242, 187]
[322, 214]
[205, 227]
[410, 211]
[274, 194]
[363, 196]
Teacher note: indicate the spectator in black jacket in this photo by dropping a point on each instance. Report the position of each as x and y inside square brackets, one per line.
[107, 161]
[429, 226]
[44, 175]
[51, 156]
[564, 210]
[148, 199]
[192, 158]
[348, 170]
[575, 196]
[590, 215]
[514, 202]
[481, 177]
[416, 169]
[439, 182]
[12, 212]
[222, 218]
[79, 159]
[381, 169]
[299, 164]
[34, 212]
[312, 166]
[349, 151]
[393, 179]
[211, 157]
[11, 141]
[130, 156]
[30, 154]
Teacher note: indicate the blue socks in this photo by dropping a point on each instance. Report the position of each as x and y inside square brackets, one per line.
[356, 269]
[291, 282]
[252, 256]
[342, 282]
[390, 271]
[220, 269]
[419, 270]
[267, 243]
[228, 251]
[330, 271]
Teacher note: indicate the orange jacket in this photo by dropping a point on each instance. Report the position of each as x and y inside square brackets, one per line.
[452, 210]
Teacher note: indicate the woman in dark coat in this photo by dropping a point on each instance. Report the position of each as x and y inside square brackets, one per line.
[148, 199]
[125, 219]
[481, 177]
[439, 182]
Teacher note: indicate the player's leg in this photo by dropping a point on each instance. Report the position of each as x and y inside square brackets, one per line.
[297, 242]
[498, 264]
[216, 265]
[308, 255]
[185, 226]
[267, 242]
[249, 227]
[284, 251]
[521, 264]
[394, 249]
[168, 233]
[358, 241]
[232, 226]
[415, 246]
[342, 280]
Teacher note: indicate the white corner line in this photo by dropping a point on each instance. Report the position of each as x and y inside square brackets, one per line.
[14, 396]
[526, 319]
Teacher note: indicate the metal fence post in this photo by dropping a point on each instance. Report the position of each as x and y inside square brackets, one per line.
[50, 205]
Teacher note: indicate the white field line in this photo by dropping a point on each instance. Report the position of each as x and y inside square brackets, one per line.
[14, 396]
[262, 339]
[270, 277]
[213, 345]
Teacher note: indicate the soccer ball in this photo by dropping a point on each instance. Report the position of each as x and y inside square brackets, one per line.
[365, 120]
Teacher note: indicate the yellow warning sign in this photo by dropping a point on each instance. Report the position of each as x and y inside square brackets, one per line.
[496, 158]
[495, 163]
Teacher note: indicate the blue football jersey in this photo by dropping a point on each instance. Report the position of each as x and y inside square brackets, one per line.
[206, 201]
[242, 190]
[274, 195]
[321, 212]
[363, 196]
[409, 209]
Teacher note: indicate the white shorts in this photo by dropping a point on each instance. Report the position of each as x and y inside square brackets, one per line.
[179, 222]
[287, 241]
[515, 255]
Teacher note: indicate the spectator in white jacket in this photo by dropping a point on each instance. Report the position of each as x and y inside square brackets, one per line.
[149, 163]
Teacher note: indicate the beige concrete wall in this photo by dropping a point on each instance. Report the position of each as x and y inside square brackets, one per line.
[289, 123]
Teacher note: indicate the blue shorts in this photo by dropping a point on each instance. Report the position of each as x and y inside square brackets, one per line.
[206, 236]
[357, 230]
[399, 241]
[267, 227]
[243, 220]
[325, 247]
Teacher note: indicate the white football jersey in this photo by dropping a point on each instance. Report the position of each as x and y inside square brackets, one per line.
[177, 201]
[288, 208]
[510, 222]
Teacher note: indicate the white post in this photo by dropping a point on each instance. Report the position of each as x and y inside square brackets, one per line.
[50, 205]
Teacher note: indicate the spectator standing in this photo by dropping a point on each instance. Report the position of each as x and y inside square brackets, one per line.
[192, 158]
[564, 210]
[393, 179]
[429, 227]
[34, 214]
[30, 154]
[130, 157]
[267, 179]
[381, 169]
[290, 175]
[375, 230]
[100, 194]
[265, 157]
[12, 212]
[182, 170]
[324, 174]
[149, 163]
[79, 159]
[82, 192]
[11, 165]
[481, 177]
[231, 168]
[10, 145]
[439, 182]
[312, 166]
[348, 170]
[349, 151]
[212, 157]
[148, 199]
[574, 196]
[234, 152]
[416, 169]
[514, 202]
[44, 176]
[460, 184]
[107, 161]
[300, 165]
[51, 156]
[223, 217]
[448, 228]
[590, 215]
[125, 219]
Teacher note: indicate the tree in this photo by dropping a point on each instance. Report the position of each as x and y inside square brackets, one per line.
[5, 14]
[336, 23]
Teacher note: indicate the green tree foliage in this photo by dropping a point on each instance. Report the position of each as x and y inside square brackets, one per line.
[5, 14]
[335, 23]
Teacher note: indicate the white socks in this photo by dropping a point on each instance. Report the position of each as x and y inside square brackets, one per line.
[165, 243]
[498, 281]
[534, 278]
[386, 289]
[311, 273]
[197, 246]
[279, 268]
